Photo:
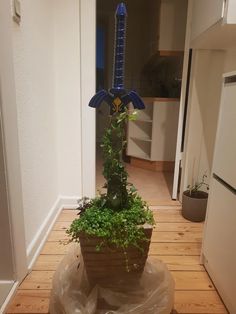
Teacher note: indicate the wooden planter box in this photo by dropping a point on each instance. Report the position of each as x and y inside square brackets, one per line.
[111, 261]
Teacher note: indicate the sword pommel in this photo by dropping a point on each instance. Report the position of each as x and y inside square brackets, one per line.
[121, 10]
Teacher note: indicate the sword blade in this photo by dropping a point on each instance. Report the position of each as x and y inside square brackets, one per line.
[119, 49]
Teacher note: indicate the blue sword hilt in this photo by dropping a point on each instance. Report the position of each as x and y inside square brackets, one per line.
[116, 97]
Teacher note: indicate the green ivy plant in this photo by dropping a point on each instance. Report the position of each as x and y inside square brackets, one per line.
[118, 215]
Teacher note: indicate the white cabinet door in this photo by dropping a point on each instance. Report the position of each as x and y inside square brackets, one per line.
[205, 13]
[230, 17]
[219, 243]
[225, 151]
[172, 27]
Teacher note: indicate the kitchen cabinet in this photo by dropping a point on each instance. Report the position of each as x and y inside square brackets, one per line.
[219, 246]
[213, 24]
[172, 26]
[205, 13]
[153, 135]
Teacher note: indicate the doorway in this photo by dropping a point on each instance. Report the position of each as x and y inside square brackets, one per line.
[156, 75]
[6, 259]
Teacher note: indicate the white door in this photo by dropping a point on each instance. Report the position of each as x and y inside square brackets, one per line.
[11, 217]
[225, 152]
[183, 103]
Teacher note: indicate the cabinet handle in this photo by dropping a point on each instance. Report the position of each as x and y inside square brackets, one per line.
[230, 79]
[225, 184]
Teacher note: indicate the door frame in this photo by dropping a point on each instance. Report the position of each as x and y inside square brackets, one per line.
[11, 144]
[179, 153]
[88, 87]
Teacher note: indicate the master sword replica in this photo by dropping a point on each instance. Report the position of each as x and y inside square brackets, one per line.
[117, 97]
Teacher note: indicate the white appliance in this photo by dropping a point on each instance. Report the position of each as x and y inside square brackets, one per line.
[219, 243]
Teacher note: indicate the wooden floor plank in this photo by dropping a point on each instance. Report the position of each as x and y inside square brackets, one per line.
[58, 235]
[47, 262]
[61, 225]
[175, 249]
[30, 301]
[183, 263]
[55, 248]
[169, 215]
[167, 203]
[68, 215]
[38, 280]
[169, 209]
[173, 236]
[178, 227]
[198, 302]
[189, 280]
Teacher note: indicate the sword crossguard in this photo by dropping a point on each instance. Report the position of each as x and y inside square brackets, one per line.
[117, 102]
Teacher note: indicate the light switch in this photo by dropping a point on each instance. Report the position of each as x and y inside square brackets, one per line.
[16, 11]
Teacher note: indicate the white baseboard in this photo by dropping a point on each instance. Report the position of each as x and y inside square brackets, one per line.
[33, 250]
[11, 294]
[40, 238]
[69, 202]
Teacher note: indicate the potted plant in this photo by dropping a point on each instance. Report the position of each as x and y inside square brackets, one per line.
[114, 229]
[194, 202]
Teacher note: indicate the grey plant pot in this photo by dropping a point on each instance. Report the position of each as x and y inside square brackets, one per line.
[194, 206]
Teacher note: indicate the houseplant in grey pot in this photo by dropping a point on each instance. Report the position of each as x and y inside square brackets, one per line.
[194, 201]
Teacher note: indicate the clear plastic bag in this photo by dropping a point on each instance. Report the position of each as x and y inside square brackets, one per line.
[72, 293]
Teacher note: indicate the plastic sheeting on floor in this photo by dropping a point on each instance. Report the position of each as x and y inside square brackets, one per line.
[72, 293]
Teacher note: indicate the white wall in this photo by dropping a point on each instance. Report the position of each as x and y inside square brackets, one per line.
[67, 96]
[34, 70]
[46, 48]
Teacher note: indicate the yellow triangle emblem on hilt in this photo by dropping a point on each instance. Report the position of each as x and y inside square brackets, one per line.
[117, 102]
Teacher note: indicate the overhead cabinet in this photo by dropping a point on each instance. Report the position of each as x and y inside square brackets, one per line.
[172, 25]
[213, 24]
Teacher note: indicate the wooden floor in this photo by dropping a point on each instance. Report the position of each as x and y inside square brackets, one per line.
[175, 241]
